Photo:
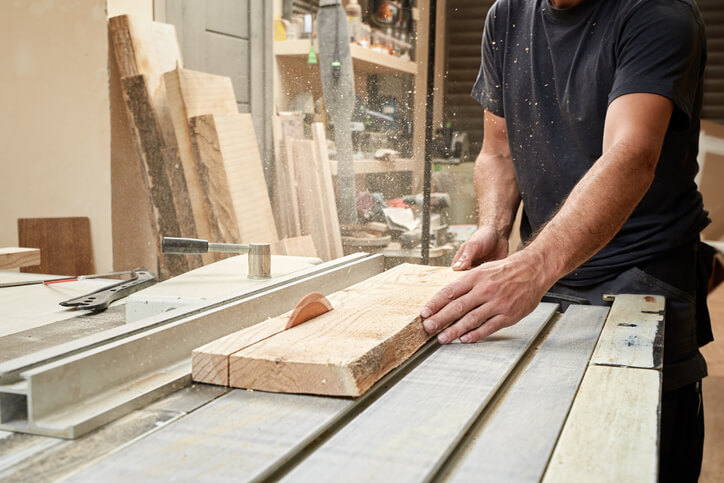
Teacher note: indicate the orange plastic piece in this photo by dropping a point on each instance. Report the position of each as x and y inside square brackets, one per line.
[311, 306]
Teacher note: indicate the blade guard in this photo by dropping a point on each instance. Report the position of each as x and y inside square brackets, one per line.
[309, 307]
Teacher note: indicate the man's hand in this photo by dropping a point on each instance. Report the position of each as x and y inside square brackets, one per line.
[484, 245]
[492, 296]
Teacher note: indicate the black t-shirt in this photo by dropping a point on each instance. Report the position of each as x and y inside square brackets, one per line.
[552, 73]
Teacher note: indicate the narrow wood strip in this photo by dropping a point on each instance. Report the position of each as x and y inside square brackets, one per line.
[405, 433]
[520, 431]
[612, 431]
[14, 257]
[329, 208]
[309, 192]
[634, 333]
[300, 246]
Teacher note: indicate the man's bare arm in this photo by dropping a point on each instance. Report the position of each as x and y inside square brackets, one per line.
[498, 198]
[498, 294]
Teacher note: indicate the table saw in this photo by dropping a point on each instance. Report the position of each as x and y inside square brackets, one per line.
[568, 396]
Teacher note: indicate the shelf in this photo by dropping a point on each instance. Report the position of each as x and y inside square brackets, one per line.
[364, 61]
[372, 166]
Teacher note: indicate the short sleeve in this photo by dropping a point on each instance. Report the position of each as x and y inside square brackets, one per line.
[487, 89]
[661, 50]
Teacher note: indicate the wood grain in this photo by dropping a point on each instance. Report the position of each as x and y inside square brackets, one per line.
[234, 136]
[14, 257]
[286, 126]
[151, 150]
[309, 192]
[329, 202]
[142, 51]
[373, 328]
[213, 180]
[531, 413]
[612, 432]
[411, 429]
[191, 94]
[65, 244]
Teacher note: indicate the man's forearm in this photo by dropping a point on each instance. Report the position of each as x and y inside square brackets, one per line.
[595, 210]
[497, 192]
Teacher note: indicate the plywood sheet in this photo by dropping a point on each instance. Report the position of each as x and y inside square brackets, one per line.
[14, 257]
[64, 242]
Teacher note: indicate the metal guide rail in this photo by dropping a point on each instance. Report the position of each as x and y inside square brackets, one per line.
[556, 397]
[73, 388]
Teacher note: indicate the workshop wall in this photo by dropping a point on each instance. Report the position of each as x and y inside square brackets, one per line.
[55, 124]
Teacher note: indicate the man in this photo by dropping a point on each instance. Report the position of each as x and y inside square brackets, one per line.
[591, 117]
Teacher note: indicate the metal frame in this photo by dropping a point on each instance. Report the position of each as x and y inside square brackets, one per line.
[71, 389]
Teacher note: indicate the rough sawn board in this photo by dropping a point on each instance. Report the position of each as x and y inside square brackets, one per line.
[373, 328]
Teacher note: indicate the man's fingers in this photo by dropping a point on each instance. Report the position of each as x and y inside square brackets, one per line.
[488, 327]
[463, 257]
[469, 322]
[445, 296]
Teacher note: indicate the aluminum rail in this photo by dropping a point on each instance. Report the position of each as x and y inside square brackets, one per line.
[74, 388]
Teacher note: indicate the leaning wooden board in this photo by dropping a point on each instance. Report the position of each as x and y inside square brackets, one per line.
[490, 411]
[373, 328]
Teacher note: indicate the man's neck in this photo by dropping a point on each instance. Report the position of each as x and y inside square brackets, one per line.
[565, 3]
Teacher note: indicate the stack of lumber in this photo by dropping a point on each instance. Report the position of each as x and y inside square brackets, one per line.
[305, 196]
[374, 327]
[191, 159]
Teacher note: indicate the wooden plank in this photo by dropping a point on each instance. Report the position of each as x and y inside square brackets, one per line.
[634, 333]
[530, 414]
[233, 438]
[157, 176]
[373, 328]
[410, 430]
[231, 137]
[214, 180]
[286, 126]
[191, 94]
[612, 431]
[15, 257]
[309, 192]
[329, 206]
[65, 244]
[211, 363]
[142, 51]
[301, 246]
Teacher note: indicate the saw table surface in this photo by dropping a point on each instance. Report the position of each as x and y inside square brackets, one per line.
[560, 397]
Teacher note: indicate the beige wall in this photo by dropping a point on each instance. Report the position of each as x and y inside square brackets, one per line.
[55, 126]
[55, 123]
[140, 8]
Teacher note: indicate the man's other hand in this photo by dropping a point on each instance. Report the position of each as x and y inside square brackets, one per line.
[483, 246]
[490, 297]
